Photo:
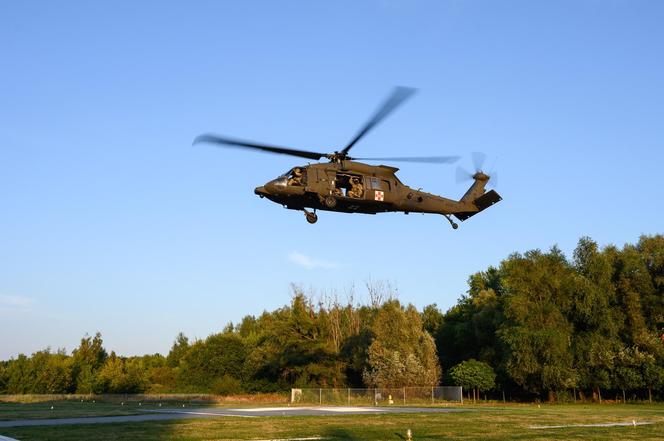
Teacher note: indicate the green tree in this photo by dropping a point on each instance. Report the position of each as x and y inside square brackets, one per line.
[217, 360]
[653, 375]
[111, 376]
[628, 374]
[473, 375]
[402, 352]
[539, 294]
[292, 346]
[595, 316]
[470, 328]
[432, 319]
[651, 250]
[18, 375]
[51, 373]
[178, 350]
[87, 359]
[3, 377]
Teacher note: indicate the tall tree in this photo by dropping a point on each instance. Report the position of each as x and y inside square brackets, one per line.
[87, 359]
[402, 352]
[215, 363]
[539, 292]
[595, 316]
[178, 350]
[51, 373]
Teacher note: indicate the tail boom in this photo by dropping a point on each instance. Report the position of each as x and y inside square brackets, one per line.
[480, 203]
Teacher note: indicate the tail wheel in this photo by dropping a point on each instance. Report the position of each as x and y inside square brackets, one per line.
[330, 201]
[449, 218]
[311, 217]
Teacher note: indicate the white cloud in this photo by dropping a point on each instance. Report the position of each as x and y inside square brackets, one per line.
[309, 262]
[16, 301]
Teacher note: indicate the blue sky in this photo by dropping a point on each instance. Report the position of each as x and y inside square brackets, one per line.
[111, 221]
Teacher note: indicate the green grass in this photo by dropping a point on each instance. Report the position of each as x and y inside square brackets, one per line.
[480, 423]
[74, 409]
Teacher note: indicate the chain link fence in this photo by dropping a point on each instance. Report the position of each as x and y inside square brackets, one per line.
[377, 396]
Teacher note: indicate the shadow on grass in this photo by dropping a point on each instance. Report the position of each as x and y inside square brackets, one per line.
[340, 434]
[152, 431]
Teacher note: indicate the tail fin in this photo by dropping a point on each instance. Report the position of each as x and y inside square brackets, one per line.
[478, 199]
[482, 203]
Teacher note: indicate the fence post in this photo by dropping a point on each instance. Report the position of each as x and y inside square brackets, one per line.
[349, 396]
[431, 394]
[320, 396]
[404, 396]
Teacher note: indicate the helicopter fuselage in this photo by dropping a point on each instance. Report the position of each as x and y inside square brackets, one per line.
[354, 187]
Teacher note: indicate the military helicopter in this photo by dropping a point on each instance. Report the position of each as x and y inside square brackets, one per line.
[345, 185]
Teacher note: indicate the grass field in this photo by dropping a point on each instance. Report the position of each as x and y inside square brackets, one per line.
[42, 409]
[62, 409]
[479, 423]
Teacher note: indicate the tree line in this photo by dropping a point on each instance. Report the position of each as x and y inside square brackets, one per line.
[537, 326]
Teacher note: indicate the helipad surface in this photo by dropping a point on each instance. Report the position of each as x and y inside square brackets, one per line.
[212, 412]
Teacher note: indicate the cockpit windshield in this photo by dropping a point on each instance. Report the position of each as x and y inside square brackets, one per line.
[295, 176]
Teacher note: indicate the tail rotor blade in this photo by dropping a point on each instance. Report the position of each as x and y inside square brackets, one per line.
[493, 180]
[478, 160]
[493, 175]
[462, 175]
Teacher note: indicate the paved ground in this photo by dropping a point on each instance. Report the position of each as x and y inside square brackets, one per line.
[212, 412]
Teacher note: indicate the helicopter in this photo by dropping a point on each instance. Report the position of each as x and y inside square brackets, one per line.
[343, 184]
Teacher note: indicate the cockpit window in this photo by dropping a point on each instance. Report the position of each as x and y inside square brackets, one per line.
[297, 176]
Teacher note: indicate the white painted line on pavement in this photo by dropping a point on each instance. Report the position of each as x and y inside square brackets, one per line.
[350, 409]
[565, 426]
[190, 412]
[295, 409]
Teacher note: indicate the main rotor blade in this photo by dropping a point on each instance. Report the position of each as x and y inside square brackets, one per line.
[398, 96]
[427, 159]
[214, 139]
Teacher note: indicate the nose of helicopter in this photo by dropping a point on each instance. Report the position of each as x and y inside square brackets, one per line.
[261, 191]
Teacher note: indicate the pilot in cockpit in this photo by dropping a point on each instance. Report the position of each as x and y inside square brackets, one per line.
[295, 177]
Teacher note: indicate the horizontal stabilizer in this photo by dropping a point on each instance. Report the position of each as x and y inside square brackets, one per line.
[482, 203]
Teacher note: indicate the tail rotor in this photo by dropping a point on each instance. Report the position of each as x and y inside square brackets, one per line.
[478, 159]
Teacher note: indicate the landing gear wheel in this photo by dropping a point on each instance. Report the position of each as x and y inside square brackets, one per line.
[449, 218]
[311, 217]
[330, 201]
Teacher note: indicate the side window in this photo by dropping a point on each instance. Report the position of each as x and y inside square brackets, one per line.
[386, 185]
[354, 187]
[375, 183]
